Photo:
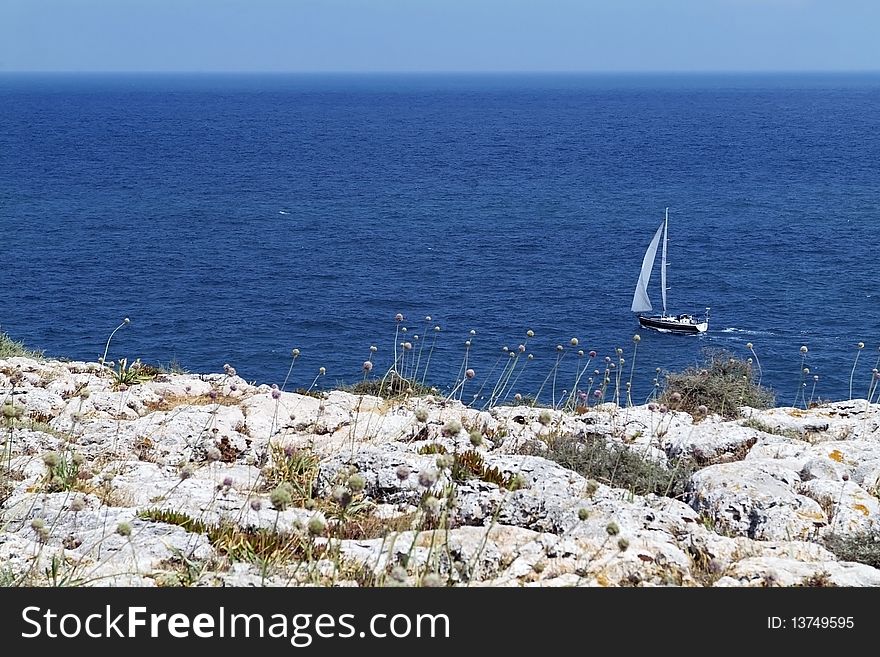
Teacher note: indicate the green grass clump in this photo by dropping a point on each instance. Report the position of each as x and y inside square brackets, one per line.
[616, 465]
[10, 348]
[863, 548]
[722, 384]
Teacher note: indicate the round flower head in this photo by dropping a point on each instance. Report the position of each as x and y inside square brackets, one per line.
[573, 342]
[861, 345]
[398, 317]
[530, 333]
[402, 472]
[295, 353]
[374, 348]
[804, 349]
[322, 371]
[470, 373]
[276, 394]
[356, 482]
[317, 524]
[368, 366]
[637, 338]
[427, 478]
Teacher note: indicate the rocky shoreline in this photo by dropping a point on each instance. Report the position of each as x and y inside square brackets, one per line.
[108, 478]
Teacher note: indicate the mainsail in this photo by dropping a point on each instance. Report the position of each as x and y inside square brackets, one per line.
[641, 303]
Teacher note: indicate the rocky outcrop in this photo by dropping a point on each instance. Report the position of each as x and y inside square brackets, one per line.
[185, 479]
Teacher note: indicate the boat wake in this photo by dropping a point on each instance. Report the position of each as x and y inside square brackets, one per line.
[733, 329]
[283, 212]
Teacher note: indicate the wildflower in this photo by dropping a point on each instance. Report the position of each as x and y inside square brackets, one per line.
[322, 371]
[521, 348]
[422, 414]
[317, 524]
[341, 496]
[398, 317]
[123, 529]
[749, 345]
[37, 524]
[51, 459]
[256, 505]
[469, 373]
[212, 454]
[294, 353]
[675, 396]
[403, 473]
[356, 482]
[612, 529]
[445, 461]
[476, 438]
[452, 428]
[804, 349]
[861, 345]
[77, 504]
[637, 338]
[374, 348]
[592, 353]
[545, 417]
[227, 482]
[399, 574]
[407, 346]
[432, 580]
[573, 342]
[427, 478]
[622, 544]
[280, 497]
[530, 333]
[431, 505]
[702, 410]
[583, 514]
[367, 366]
[559, 348]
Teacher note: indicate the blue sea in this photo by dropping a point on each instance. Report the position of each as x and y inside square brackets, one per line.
[234, 218]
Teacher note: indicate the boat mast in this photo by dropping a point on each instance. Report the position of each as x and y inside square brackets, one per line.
[663, 263]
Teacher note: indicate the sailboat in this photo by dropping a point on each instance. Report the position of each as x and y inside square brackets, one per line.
[663, 322]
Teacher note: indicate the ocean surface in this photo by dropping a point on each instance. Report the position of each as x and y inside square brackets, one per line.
[235, 218]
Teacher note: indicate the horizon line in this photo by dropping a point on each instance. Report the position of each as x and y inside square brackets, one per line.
[445, 72]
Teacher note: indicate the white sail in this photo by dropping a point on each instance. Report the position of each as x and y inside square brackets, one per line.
[641, 303]
[663, 262]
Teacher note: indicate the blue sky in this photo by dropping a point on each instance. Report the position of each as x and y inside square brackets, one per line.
[439, 35]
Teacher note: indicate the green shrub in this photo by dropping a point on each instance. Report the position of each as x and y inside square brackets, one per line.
[10, 348]
[863, 548]
[616, 465]
[722, 384]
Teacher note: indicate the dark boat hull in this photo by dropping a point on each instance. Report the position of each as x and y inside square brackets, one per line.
[673, 324]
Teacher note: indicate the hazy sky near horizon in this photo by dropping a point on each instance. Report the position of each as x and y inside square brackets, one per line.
[439, 35]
